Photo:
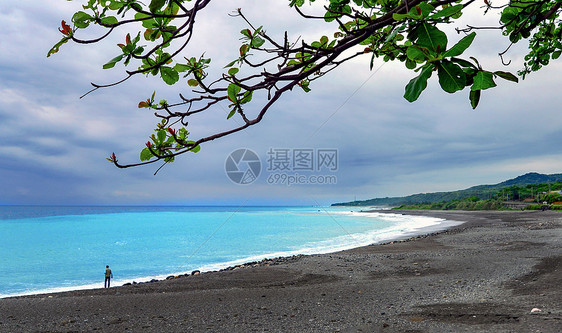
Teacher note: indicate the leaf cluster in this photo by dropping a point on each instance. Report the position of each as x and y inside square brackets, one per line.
[165, 141]
[409, 31]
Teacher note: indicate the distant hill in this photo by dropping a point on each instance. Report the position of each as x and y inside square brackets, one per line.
[481, 191]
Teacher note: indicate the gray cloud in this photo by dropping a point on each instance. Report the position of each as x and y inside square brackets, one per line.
[53, 145]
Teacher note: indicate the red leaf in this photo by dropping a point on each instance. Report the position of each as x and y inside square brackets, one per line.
[113, 157]
[171, 130]
[66, 30]
[148, 144]
[243, 49]
[143, 104]
[418, 9]
[128, 39]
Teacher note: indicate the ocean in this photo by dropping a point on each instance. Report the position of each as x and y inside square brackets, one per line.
[50, 249]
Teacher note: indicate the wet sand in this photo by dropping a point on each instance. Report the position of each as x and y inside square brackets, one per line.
[485, 275]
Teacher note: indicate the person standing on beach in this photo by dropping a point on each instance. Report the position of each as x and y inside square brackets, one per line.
[108, 276]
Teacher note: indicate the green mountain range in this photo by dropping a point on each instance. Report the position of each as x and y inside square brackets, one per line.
[481, 191]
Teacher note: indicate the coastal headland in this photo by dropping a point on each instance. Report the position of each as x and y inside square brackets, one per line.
[498, 272]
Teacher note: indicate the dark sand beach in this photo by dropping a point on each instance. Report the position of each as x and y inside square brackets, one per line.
[486, 275]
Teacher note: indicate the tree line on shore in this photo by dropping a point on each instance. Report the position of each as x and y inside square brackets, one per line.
[530, 186]
[538, 196]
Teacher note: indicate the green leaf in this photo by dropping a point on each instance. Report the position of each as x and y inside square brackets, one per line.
[182, 133]
[483, 80]
[112, 62]
[329, 17]
[161, 134]
[233, 71]
[451, 76]
[416, 53]
[57, 46]
[426, 8]
[146, 154]
[192, 83]
[430, 37]
[447, 12]
[257, 41]
[476, 61]
[509, 14]
[410, 64]
[413, 14]
[232, 92]
[246, 98]
[400, 17]
[231, 63]
[147, 23]
[195, 149]
[507, 76]
[181, 68]
[114, 5]
[474, 97]
[138, 50]
[169, 75]
[461, 46]
[110, 20]
[81, 20]
[416, 85]
[247, 33]
[156, 5]
[463, 63]
[299, 3]
[232, 113]
[304, 84]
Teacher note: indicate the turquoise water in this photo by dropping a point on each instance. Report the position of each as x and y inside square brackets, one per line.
[45, 249]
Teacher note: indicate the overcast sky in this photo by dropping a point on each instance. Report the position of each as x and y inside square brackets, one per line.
[53, 145]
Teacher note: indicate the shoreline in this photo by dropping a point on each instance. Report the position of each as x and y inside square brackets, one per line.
[252, 260]
[485, 275]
